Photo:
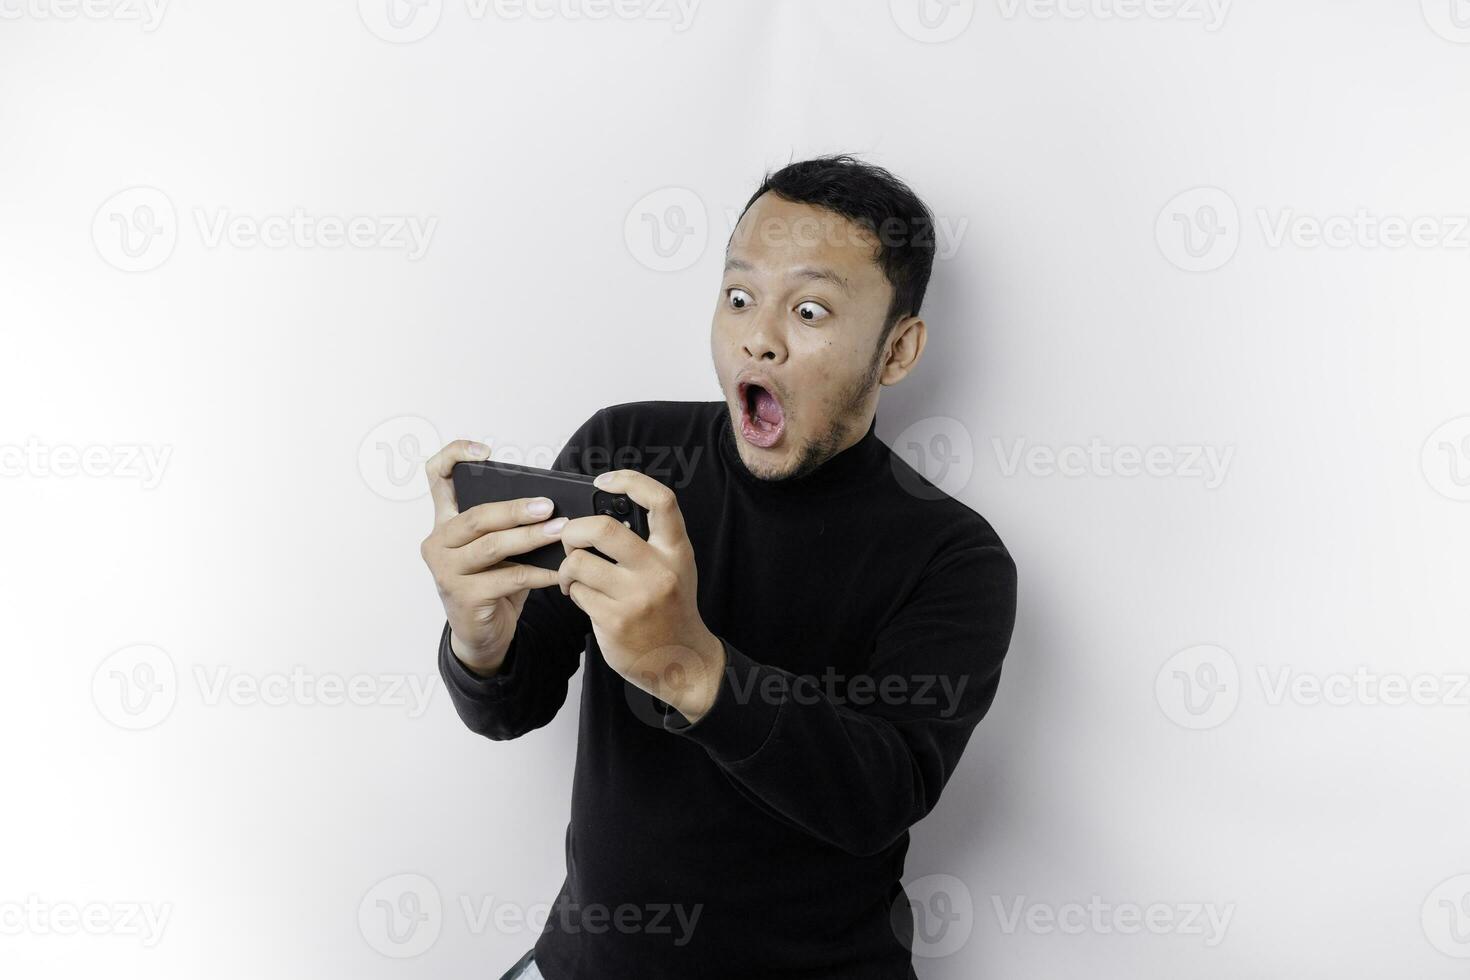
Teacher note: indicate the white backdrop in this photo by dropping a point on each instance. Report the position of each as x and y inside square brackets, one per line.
[1197, 349]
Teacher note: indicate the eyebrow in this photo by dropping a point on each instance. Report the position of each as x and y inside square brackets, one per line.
[801, 272]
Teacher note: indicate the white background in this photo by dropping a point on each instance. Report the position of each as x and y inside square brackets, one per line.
[295, 387]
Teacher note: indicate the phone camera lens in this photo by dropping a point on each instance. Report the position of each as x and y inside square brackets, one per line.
[620, 505]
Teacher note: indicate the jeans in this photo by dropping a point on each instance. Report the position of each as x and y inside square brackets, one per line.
[524, 968]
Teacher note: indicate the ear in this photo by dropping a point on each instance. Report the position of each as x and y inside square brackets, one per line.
[905, 347]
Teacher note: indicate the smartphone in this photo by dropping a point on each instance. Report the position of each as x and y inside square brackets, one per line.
[571, 495]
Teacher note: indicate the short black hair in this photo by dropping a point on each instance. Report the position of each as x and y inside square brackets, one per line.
[874, 198]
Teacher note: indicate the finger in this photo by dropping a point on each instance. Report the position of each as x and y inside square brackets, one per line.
[496, 515]
[665, 520]
[507, 579]
[589, 600]
[587, 568]
[440, 467]
[491, 549]
[609, 536]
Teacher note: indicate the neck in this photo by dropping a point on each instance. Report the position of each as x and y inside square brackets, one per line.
[857, 460]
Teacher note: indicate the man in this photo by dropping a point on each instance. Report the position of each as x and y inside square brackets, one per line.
[781, 679]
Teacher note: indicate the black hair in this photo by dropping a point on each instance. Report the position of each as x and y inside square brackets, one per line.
[874, 198]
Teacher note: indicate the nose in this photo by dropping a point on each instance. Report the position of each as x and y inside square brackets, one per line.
[764, 342]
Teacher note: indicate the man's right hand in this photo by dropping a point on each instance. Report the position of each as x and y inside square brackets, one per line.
[482, 592]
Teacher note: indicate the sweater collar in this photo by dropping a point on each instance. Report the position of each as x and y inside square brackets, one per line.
[853, 466]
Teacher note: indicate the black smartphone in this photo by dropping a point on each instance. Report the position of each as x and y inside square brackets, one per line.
[571, 495]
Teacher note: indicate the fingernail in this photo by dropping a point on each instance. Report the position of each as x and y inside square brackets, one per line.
[479, 449]
[539, 507]
[554, 527]
[600, 480]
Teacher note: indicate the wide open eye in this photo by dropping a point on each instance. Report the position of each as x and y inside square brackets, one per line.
[738, 298]
[811, 311]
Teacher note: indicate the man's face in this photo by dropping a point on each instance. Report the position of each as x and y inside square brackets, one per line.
[809, 341]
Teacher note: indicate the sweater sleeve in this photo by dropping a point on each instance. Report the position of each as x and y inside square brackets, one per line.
[550, 637]
[858, 761]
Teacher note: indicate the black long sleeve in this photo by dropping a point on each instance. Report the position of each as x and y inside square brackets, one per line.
[852, 765]
[865, 617]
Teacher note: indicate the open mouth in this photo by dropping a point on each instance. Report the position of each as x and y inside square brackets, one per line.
[762, 418]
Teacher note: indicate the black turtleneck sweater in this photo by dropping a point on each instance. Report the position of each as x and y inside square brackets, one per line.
[864, 615]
